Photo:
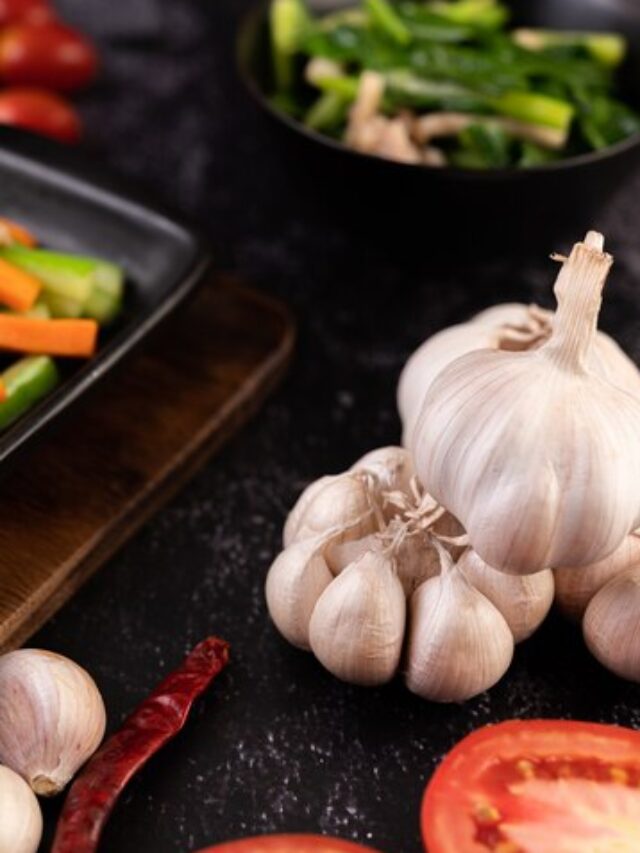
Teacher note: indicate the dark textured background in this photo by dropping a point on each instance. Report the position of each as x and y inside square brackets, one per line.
[279, 745]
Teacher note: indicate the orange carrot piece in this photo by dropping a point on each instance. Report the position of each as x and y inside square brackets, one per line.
[18, 289]
[72, 338]
[18, 233]
[3, 391]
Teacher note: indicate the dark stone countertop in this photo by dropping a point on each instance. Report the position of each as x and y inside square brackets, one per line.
[279, 745]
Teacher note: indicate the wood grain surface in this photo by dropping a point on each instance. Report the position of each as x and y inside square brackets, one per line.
[77, 497]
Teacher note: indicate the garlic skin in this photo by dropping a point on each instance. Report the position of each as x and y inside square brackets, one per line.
[576, 587]
[536, 455]
[342, 553]
[52, 718]
[392, 466]
[459, 643]
[523, 601]
[296, 580]
[357, 626]
[345, 500]
[611, 628]
[20, 815]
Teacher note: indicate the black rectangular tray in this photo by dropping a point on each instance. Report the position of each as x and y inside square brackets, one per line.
[72, 205]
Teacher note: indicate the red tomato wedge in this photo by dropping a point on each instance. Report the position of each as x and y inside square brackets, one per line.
[289, 844]
[539, 786]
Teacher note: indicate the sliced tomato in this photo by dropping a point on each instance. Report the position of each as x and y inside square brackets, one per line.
[539, 786]
[289, 844]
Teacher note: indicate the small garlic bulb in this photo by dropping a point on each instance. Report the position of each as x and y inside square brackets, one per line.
[524, 601]
[459, 643]
[576, 587]
[52, 718]
[20, 815]
[534, 453]
[346, 501]
[295, 582]
[611, 626]
[357, 626]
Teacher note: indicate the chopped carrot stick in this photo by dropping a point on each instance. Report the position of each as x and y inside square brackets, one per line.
[73, 338]
[18, 289]
[18, 233]
[3, 392]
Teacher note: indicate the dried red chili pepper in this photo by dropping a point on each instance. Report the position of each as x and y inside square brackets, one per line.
[158, 719]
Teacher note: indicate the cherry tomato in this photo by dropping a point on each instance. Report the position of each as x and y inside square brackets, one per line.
[40, 111]
[289, 844]
[50, 55]
[26, 11]
[542, 786]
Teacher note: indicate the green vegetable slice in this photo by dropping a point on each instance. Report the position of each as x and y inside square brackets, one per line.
[26, 382]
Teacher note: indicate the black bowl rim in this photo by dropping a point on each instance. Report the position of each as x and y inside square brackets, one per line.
[84, 175]
[593, 158]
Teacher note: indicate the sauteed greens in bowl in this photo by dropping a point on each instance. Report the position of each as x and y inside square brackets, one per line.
[448, 83]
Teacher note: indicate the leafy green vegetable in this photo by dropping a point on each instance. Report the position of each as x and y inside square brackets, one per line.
[489, 143]
[328, 112]
[535, 109]
[455, 56]
[289, 24]
[384, 17]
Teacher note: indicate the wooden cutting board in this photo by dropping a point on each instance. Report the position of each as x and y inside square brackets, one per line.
[89, 486]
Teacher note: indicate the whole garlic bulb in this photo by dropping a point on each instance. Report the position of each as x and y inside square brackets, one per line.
[576, 587]
[536, 455]
[343, 501]
[20, 815]
[357, 626]
[52, 718]
[296, 580]
[524, 601]
[611, 626]
[459, 642]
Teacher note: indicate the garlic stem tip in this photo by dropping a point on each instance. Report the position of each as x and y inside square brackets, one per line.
[594, 240]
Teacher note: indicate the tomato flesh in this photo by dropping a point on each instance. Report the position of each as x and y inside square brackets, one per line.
[537, 787]
[289, 844]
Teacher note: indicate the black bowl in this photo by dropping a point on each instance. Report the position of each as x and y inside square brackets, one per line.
[501, 210]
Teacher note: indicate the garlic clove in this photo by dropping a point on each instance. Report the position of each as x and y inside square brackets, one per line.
[357, 626]
[392, 466]
[459, 644]
[536, 455]
[429, 360]
[52, 718]
[524, 601]
[302, 504]
[346, 501]
[611, 626]
[20, 815]
[295, 582]
[576, 587]
[342, 553]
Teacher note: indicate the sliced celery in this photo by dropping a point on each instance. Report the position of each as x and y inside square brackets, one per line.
[26, 382]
